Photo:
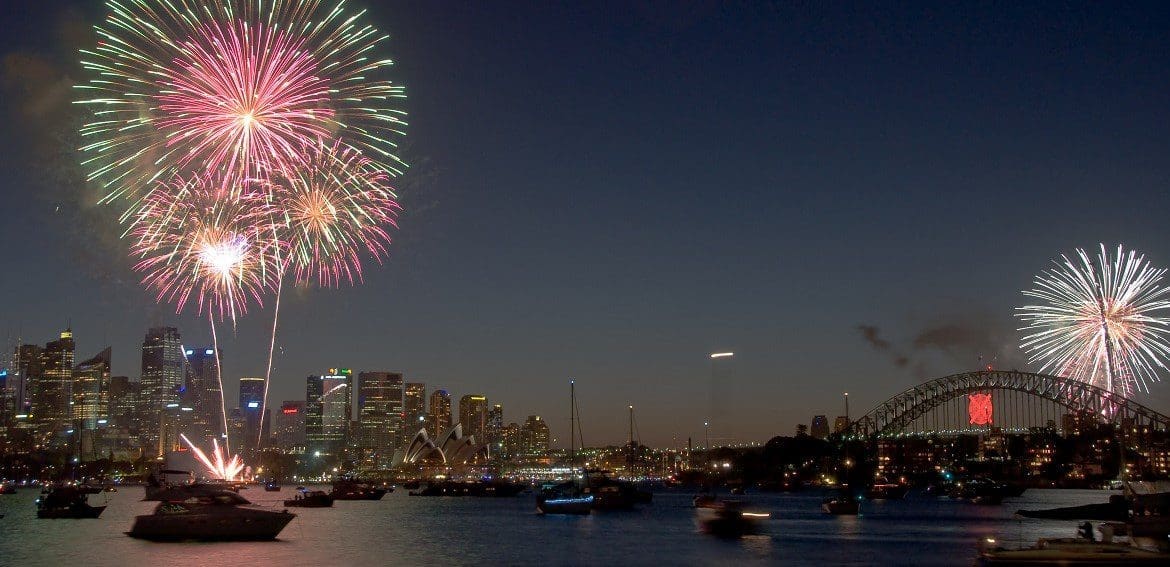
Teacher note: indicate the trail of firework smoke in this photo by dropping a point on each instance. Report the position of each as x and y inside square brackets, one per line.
[1100, 323]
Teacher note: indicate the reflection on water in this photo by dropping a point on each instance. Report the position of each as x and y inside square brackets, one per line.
[462, 531]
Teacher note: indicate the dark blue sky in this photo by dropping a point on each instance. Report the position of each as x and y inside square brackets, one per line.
[612, 191]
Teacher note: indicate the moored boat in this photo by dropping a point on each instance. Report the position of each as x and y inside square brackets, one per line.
[7, 489]
[885, 490]
[564, 498]
[842, 504]
[209, 515]
[272, 486]
[66, 502]
[351, 489]
[1070, 551]
[310, 499]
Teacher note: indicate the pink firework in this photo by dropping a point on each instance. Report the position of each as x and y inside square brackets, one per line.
[238, 94]
[196, 240]
[336, 208]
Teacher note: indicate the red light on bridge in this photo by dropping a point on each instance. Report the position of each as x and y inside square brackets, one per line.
[979, 409]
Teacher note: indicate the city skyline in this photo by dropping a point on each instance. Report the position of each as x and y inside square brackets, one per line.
[847, 210]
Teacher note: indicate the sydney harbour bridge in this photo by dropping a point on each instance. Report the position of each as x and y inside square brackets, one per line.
[1004, 400]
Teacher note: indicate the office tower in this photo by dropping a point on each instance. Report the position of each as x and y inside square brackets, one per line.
[473, 415]
[328, 408]
[494, 428]
[203, 393]
[289, 425]
[91, 391]
[534, 436]
[52, 390]
[379, 416]
[414, 410]
[439, 416]
[820, 427]
[840, 424]
[251, 395]
[510, 444]
[27, 366]
[162, 379]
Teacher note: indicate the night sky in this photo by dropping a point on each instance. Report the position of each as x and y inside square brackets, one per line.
[612, 191]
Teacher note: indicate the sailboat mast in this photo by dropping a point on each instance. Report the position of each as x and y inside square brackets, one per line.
[572, 423]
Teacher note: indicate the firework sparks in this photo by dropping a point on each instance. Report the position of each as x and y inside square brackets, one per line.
[218, 465]
[225, 85]
[334, 208]
[1100, 322]
[195, 240]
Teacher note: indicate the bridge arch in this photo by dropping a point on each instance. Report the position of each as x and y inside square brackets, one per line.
[894, 414]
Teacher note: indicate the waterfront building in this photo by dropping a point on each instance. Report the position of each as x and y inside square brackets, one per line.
[494, 429]
[414, 410]
[473, 410]
[162, 379]
[534, 436]
[439, 414]
[328, 407]
[840, 424]
[289, 426]
[820, 427]
[251, 396]
[28, 368]
[52, 390]
[380, 416]
[510, 440]
[203, 393]
[91, 392]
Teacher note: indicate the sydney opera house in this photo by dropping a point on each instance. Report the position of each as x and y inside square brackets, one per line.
[452, 448]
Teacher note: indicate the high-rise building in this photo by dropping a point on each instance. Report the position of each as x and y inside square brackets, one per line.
[328, 408]
[379, 416]
[251, 396]
[494, 429]
[414, 410]
[439, 414]
[91, 391]
[840, 424]
[820, 427]
[27, 365]
[534, 436]
[53, 390]
[510, 440]
[289, 425]
[162, 379]
[473, 409]
[203, 393]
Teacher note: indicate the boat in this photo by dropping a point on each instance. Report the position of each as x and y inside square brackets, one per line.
[570, 497]
[883, 489]
[979, 490]
[7, 489]
[351, 489]
[66, 502]
[728, 518]
[209, 515]
[842, 504]
[1116, 510]
[1082, 550]
[564, 498]
[272, 486]
[413, 484]
[311, 499]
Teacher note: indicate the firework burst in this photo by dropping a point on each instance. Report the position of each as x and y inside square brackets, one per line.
[334, 209]
[221, 86]
[217, 465]
[1099, 322]
[195, 240]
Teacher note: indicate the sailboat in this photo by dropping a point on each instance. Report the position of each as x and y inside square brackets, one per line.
[566, 497]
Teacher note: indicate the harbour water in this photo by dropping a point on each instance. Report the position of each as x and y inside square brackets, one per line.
[405, 530]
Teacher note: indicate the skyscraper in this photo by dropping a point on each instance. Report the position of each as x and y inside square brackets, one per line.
[379, 416]
[534, 436]
[439, 416]
[328, 408]
[473, 410]
[289, 425]
[203, 394]
[91, 391]
[53, 389]
[494, 429]
[162, 378]
[251, 395]
[28, 369]
[414, 409]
